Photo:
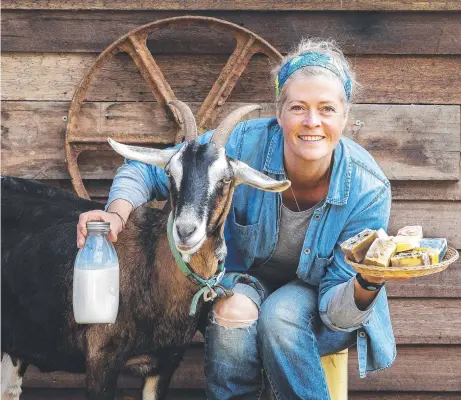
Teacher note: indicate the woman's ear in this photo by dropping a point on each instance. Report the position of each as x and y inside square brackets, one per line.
[277, 113]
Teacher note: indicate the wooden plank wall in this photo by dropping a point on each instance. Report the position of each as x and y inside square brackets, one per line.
[407, 56]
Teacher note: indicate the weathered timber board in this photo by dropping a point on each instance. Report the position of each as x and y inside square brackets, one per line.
[409, 142]
[438, 218]
[424, 368]
[417, 368]
[244, 5]
[409, 190]
[426, 321]
[357, 32]
[384, 79]
[197, 394]
[414, 165]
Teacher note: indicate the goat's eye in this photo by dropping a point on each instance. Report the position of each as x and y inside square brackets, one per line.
[226, 181]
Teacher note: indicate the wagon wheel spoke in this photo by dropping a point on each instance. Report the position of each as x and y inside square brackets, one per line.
[72, 155]
[226, 81]
[136, 47]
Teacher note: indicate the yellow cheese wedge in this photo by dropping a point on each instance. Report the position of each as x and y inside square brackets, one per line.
[380, 252]
[357, 246]
[433, 254]
[406, 243]
[414, 231]
[410, 259]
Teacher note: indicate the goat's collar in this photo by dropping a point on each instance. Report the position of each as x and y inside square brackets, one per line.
[206, 286]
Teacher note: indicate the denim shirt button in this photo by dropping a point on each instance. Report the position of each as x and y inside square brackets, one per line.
[307, 251]
[362, 334]
[317, 217]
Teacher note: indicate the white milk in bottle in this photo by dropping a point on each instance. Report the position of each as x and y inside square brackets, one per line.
[96, 278]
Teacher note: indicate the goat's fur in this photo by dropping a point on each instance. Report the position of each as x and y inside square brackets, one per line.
[37, 320]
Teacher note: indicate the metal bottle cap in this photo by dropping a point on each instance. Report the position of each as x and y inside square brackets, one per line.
[98, 226]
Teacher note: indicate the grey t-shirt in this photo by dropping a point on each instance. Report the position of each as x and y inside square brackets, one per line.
[281, 267]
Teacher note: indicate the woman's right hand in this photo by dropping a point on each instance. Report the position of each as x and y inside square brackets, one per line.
[115, 221]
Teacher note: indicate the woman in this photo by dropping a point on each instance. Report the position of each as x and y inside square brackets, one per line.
[314, 303]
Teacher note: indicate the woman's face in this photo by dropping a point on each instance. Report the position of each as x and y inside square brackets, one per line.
[312, 117]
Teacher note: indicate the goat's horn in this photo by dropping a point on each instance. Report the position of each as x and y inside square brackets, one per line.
[144, 154]
[190, 127]
[228, 124]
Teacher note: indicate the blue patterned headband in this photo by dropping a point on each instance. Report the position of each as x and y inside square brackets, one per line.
[312, 59]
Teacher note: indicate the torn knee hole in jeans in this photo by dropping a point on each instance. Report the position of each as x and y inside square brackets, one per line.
[232, 323]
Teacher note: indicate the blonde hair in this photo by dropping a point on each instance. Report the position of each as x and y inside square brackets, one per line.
[336, 56]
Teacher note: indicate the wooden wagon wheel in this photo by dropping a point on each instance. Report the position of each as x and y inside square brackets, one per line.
[134, 43]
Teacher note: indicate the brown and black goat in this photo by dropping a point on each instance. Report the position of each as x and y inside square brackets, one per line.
[153, 322]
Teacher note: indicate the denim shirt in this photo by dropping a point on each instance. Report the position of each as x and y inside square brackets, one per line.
[359, 197]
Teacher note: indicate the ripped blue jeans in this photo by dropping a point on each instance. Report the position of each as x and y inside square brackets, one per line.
[286, 342]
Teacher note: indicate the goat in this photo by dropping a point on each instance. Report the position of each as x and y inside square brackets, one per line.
[154, 325]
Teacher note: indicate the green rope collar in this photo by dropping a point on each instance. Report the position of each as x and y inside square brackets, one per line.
[205, 285]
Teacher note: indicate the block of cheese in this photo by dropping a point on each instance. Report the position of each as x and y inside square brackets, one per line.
[406, 243]
[381, 234]
[357, 246]
[437, 244]
[433, 254]
[410, 259]
[415, 231]
[380, 252]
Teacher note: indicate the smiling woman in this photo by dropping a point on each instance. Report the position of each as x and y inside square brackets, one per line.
[295, 298]
[314, 90]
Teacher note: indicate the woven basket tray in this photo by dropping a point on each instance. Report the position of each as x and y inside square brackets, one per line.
[405, 272]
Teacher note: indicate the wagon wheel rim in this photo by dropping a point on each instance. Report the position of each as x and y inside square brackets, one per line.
[134, 44]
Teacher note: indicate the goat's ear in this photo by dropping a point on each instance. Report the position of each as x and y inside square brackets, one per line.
[245, 174]
[155, 157]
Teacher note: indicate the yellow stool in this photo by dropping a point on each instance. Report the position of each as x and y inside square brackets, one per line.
[335, 367]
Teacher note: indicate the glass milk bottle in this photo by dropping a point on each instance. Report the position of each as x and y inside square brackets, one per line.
[96, 278]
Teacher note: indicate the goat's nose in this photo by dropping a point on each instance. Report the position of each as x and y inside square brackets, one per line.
[186, 230]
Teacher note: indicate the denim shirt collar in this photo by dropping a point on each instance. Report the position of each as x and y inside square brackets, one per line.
[338, 193]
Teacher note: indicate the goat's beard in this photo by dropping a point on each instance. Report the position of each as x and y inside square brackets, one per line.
[187, 255]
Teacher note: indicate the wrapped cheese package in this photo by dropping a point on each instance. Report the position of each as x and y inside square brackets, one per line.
[414, 231]
[380, 252]
[356, 247]
[438, 245]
